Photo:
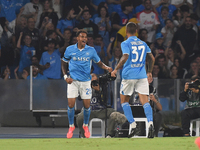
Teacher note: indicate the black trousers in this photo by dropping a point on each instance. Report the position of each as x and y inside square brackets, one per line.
[186, 116]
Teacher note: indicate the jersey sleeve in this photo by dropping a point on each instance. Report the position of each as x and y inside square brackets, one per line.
[95, 57]
[148, 50]
[67, 56]
[125, 48]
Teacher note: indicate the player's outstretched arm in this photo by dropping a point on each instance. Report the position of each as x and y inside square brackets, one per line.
[120, 64]
[150, 62]
[103, 66]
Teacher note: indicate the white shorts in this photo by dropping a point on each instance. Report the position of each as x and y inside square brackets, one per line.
[140, 85]
[79, 88]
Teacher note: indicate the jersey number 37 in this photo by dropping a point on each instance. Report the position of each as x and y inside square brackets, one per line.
[135, 51]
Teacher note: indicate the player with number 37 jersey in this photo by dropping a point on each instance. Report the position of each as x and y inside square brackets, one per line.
[134, 68]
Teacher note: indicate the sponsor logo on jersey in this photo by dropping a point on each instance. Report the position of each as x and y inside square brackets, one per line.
[81, 58]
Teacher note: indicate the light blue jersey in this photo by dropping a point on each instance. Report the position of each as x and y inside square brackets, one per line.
[134, 68]
[80, 61]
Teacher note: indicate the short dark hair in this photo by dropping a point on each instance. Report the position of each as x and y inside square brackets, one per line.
[141, 30]
[164, 8]
[81, 31]
[131, 28]
[125, 4]
[167, 20]
[67, 29]
[85, 11]
[50, 32]
[194, 77]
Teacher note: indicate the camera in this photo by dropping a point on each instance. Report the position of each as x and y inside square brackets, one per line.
[103, 79]
[195, 84]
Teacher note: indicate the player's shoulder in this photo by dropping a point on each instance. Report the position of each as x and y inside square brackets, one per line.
[90, 48]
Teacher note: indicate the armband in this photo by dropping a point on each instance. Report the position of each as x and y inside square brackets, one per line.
[65, 76]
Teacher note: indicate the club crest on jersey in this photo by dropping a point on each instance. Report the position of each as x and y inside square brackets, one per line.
[152, 16]
[87, 53]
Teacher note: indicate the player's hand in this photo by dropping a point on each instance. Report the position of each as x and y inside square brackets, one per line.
[149, 75]
[69, 80]
[109, 69]
[113, 73]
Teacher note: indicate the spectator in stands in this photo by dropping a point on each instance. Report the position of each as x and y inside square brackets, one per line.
[104, 24]
[140, 8]
[158, 7]
[58, 7]
[35, 61]
[143, 35]
[8, 8]
[194, 70]
[73, 39]
[158, 45]
[163, 17]
[98, 40]
[20, 4]
[171, 54]
[51, 61]
[114, 56]
[173, 72]
[192, 109]
[121, 18]
[100, 51]
[48, 14]
[194, 19]
[181, 71]
[121, 34]
[67, 37]
[197, 59]
[164, 72]
[111, 5]
[7, 50]
[36, 74]
[180, 3]
[148, 20]
[156, 72]
[5, 75]
[34, 32]
[177, 18]
[187, 36]
[26, 52]
[87, 24]
[21, 23]
[168, 31]
[33, 9]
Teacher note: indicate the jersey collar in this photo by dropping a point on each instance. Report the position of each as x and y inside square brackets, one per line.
[76, 46]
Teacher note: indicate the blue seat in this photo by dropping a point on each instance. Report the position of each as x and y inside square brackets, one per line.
[165, 104]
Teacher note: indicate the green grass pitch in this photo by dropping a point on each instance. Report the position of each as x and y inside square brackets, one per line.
[165, 143]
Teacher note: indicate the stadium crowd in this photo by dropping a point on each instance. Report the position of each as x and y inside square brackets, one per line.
[38, 32]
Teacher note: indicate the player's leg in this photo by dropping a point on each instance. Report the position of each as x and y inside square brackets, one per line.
[85, 93]
[142, 87]
[86, 117]
[72, 93]
[126, 91]
[79, 122]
